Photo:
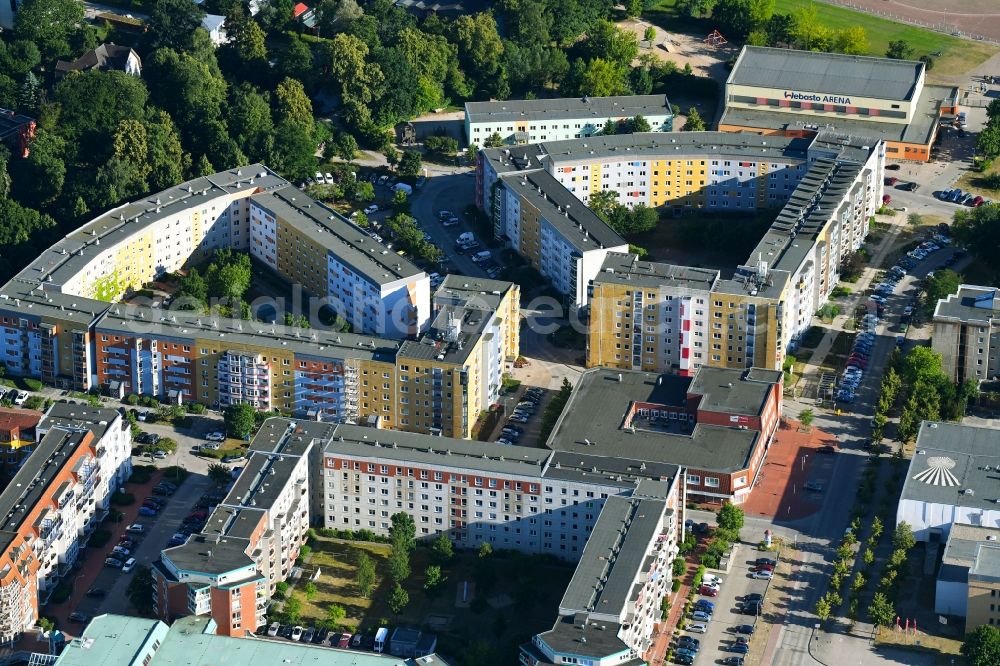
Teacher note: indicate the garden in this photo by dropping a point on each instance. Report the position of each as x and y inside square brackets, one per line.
[481, 604]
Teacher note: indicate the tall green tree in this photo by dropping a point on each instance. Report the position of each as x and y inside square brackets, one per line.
[403, 530]
[730, 517]
[172, 24]
[249, 116]
[240, 420]
[694, 122]
[899, 49]
[38, 179]
[365, 576]
[982, 646]
[49, 25]
[881, 611]
[398, 599]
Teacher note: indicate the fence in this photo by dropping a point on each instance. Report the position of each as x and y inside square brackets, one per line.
[940, 26]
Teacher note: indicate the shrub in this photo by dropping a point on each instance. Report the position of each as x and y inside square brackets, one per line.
[33, 384]
[99, 538]
[121, 498]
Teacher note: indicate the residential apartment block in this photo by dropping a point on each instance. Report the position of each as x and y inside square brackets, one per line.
[56, 323]
[53, 503]
[533, 120]
[826, 187]
[250, 541]
[967, 333]
[968, 580]
[124, 640]
[784, 92]
[612, 602]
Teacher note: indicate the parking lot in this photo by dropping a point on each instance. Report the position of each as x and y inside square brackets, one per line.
[715, 643]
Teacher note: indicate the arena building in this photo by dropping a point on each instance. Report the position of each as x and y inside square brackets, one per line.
[60, 322]
[801, 93]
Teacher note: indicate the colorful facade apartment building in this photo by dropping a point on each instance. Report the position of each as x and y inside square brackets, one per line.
[250, 541]
[825, 188]
[53, 503]
[17, 440]
[784, 92]
[533, 120]
[57, 324]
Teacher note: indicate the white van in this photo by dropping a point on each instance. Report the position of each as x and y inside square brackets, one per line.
[380, 637]
[480, 257]
[465, 237]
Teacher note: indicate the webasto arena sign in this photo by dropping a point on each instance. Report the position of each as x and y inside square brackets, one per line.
[812, 97]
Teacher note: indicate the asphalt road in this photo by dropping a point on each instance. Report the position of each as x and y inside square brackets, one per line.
[453, 192]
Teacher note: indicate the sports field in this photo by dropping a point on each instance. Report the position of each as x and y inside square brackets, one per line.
[957, 57]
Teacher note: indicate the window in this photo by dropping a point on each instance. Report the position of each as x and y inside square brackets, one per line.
[694, 479]
[711, 482]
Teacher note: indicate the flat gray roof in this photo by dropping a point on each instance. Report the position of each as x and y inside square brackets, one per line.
[826, 73]
[79, 417]
[986, 568]
[971, 304]
[344, 240]
[964, 541]
[597, 108]
[210, 554]
[746, 396]
[625, 268]
[614, 555]
[592, 423]
[576, 634]
[436, 344]
[579, 225]
[420, 449]
[955, 465]
[141, 320]
[472, 292]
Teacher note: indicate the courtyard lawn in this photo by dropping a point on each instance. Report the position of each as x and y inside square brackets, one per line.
[511, 597]
[958, 56]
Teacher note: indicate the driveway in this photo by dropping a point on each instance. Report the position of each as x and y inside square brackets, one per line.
[453, 192]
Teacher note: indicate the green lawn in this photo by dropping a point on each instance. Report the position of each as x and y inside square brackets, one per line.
[958, 55]
[514, 597]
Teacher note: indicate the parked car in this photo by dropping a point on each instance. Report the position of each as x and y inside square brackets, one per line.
[690, 642]
[77, 616]
[113, 562]
[371, 209]
[129, 565]
[739, 647]
[697, 628]
[146, 511]
[701, 616]
[320, 636]
[297, 633]
[22, 397]
[763, 574]
[685, 652]
[345, 641]
[216, 436]
[96, 593]
[733, 661]
[308, 635]
[746, 629]
[273, 629]
[138, 528]
[708, 591]
[683, 659]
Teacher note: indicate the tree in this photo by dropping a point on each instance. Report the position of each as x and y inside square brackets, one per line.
[403, 530]
[293, 610]
[219, 474]
[730, 517]
[335, 614]
[649, 34]
[432, 577]
[877, 527]
[607, 41]
[172, 24]
[398, 599]
[399, 563]
[822, 609]
[899, 49]
[603, 78]
[851, 41]
[480, 50]
[982, 646]
[365, 576]
[868, 557]
[347, 147]
[140, 590]
[806, 418]
[240, 419]
[942, 284]
[740, 17]
[409, 164]
[294, 152]
[38, 179]
[902, 537]
[485, 550]
[694, 122]
[881, 611]
[639, 124]
[48, 24]
[310, 591]
[493, 141]
[391, 155]
[245, 45]
[249, 117]
[442, 548]
[602, 202]
[292, 103]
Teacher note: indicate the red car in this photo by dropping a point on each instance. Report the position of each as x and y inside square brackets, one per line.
[708, 591]
[977, 202]
[765, 567]
[886, 199]
[345, 641]
[891, 180]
